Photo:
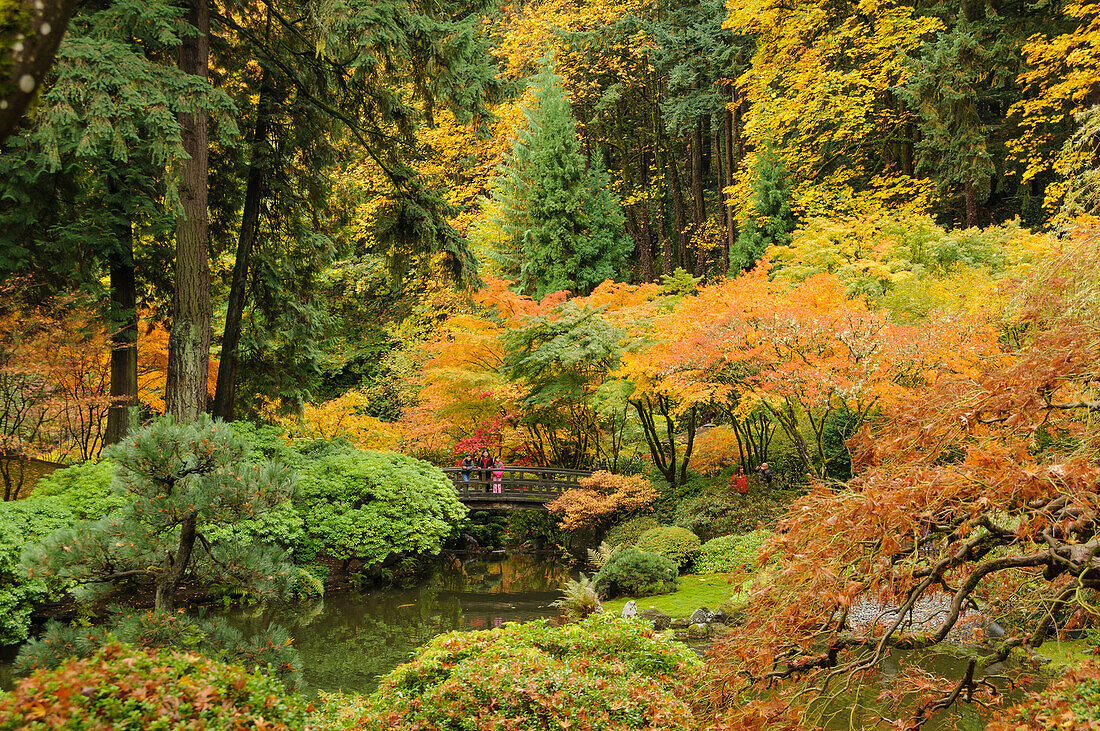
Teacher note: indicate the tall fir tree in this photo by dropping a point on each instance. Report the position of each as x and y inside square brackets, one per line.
[770, 221]
[562, 221]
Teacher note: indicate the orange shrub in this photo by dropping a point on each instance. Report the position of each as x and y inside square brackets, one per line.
[602, 497]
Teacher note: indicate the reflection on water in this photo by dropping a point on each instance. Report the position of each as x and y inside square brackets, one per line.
[348, 639]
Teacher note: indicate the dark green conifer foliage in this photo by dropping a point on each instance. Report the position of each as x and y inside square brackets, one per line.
[180, 481]
[770, 221]
[563, 217]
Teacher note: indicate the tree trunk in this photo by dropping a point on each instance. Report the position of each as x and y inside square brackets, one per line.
[679, 214]
[177, 566]
[970, 193]
[226, 389]
[189, 341]
[645, 262]
[30, 32]
[124, 387]
[699, 213]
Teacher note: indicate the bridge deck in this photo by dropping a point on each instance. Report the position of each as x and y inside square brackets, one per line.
[522, 488]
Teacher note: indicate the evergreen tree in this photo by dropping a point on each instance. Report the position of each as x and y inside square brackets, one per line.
[181, 482]
[563, 224]
[770, 221]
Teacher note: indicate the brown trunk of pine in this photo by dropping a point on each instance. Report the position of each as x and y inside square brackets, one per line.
[727, 165]
[189, 340]
[226, 390]
[169, 581]
[679, 216]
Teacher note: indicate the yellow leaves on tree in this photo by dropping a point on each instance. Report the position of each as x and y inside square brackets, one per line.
[820, 86]
[602, 497]
[344, 417]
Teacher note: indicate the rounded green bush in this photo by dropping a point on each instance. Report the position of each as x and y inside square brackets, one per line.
[631, 572]
[672, 542]
[730, 553]
[121, 687]
[601, 673]
[626, 534]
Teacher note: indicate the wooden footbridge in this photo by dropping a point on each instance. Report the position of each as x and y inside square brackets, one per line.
[521, 488]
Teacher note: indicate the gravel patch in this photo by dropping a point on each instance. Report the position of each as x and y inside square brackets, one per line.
[870, 616]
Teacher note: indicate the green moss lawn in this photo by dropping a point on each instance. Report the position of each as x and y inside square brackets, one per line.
[708, 590]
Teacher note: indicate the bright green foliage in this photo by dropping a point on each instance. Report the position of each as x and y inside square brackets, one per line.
[626, 533]
[602, 673]
[726, 554]
[561, 216]
[677, 544]
[124, 688]
[633, 572]
[579, 599]
[269, 651]
[21, 523]
[178, 482]
[770, 221]
[84, 489]
[369, 505]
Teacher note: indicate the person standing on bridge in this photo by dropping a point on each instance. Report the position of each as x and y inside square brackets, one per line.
[467, 465]
[484, 465]
[498, 474]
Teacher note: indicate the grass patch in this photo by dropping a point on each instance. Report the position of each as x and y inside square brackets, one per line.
[1066, 653]
[708, 590]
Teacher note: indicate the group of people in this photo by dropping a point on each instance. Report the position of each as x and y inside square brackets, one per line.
[740, 481]
[486, 467]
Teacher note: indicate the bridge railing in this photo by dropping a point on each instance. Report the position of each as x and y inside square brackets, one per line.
[534, 484]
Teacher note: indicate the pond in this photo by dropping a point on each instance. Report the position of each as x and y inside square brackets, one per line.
[349, 638]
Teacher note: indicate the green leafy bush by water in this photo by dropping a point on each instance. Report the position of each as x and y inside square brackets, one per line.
[730, 553]
[631, 572]
[675, 543]
[24, 522]
[602, 673]
[369, 505]
[121, 687]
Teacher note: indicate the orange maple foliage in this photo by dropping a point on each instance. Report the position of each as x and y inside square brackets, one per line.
[602, 497]
[977, 489]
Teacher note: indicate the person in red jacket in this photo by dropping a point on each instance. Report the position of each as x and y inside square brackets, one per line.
[485, 466]
[739, 481]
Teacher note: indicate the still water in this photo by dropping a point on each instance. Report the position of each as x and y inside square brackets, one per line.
[350, 638]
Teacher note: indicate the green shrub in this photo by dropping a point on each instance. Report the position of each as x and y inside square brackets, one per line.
[626, 534]
[730, 553]
[121, 687]
[675, 543]
[23, 523]
[536, 528]
[631, 572]
[269, 651]
[602, 673]
[369, 505]
[718, 513]
[84, 489]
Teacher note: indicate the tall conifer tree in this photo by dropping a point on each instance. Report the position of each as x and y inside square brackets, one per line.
[562, 218]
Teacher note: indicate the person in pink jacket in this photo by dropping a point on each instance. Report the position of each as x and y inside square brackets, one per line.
[498, 474]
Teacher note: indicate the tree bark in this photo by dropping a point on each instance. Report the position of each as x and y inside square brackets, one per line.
[970, 194]
[189, 340]
[699, 213]
[226, 390]
[124, 386]
[30, 32]
[169, 581]
[679, 212]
